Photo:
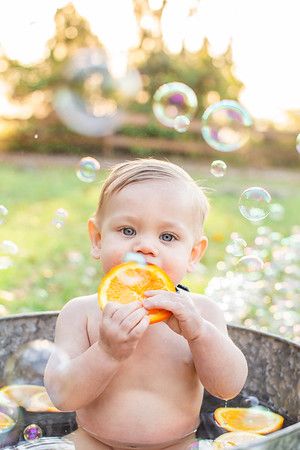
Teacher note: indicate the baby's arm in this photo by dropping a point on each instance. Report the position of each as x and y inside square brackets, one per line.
[78, 373]
[220, 365]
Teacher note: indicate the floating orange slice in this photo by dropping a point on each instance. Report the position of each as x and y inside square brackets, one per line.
[234, 439]
[6, 422]
[255, 420]
[24, 395]
[41, 402]
[127, 283]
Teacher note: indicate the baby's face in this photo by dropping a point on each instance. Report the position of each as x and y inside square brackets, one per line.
[156, 219]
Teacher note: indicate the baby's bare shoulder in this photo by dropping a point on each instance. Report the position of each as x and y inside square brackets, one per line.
[79, 308]
[209, 310]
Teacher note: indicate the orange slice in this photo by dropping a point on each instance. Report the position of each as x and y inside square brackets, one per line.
[41, 402]
[24, 395]
[127, 283]
[256, 420]
[6, 422]
[234, 439]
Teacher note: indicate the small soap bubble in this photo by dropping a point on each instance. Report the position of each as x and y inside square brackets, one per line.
[249, 402]
[32, 432]
[5, 262]
[172, 102]
[298, 143]
[3, 213]
[59, 218]
[218, 168]
[254, 204]
[135, 257]
[236, 247]
[88, 169]
[250, 263]
[226, 126]
[9, 247]
[181, 123]
[276, 211]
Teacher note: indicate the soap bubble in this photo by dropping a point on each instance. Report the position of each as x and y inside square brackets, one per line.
[225, 125]
[9, 247]
[218, 168]
[181, 123]
[172, 102]
[135, 257]
[27, 364]
[254, 203]
[3, 213]
[87, 169]
[250, 263]
[32, 432]
[276, 211]
[10, 416]
[249, 401]
[298, 143]
[236, 247]
[89, 103]
[59, 218]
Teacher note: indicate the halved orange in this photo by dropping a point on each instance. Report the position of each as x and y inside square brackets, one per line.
[127, 283]
[23, 395]
[234, 439]
[6, 422]
[41, 402]
[255, 420]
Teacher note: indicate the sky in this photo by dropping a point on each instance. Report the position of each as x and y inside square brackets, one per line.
[264, 36]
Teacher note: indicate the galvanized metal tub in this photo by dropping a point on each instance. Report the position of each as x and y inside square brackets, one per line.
[274, 374]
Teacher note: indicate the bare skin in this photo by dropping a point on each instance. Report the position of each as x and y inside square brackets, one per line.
[135, 385]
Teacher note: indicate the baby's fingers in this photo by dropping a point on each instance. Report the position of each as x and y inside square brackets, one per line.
[133, 319]
[138, 331]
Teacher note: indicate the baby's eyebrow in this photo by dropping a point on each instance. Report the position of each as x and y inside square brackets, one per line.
[123, 218]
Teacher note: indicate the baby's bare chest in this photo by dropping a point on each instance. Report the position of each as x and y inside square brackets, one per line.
[159, 348]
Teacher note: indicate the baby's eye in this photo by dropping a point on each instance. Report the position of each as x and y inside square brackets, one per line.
[127, 231]
[167, 237]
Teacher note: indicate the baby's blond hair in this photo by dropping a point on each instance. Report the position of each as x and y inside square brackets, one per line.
[139, 170]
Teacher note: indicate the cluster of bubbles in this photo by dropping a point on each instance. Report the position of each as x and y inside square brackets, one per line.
[259, 286]
[225, 125]
[60, 217]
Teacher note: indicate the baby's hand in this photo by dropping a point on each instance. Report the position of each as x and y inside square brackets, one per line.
[186, 320]
[122, 327]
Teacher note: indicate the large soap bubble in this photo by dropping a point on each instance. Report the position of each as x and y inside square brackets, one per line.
[226, 125]
[174, 105]
[254, 204]
[28, 363]
[89, 102]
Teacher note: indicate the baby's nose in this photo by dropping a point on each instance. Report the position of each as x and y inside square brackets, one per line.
[146, 247]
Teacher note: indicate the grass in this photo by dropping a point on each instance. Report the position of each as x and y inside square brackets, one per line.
[54, 265]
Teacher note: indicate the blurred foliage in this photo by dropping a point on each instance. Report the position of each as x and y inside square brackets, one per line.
[212, 78]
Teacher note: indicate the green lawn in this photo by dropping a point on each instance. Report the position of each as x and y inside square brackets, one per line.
[54, 265]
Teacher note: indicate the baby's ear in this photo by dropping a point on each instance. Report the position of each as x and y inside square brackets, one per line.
[95, 238]
[197, 253]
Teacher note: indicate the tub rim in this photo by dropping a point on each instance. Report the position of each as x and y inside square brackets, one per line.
[229, 325]
[268, 438]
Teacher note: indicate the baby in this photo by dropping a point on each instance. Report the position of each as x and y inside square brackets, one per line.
[135, 385]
